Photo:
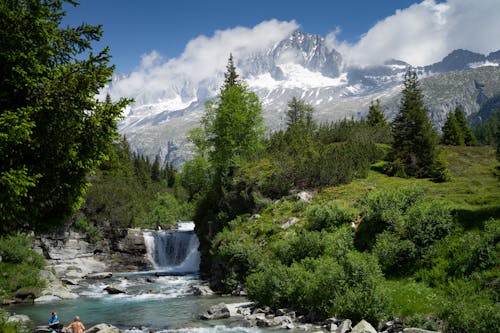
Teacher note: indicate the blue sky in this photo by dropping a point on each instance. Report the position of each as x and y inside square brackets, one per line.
[135, 28]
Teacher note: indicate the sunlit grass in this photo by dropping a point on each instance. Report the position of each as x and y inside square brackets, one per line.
[473, 192]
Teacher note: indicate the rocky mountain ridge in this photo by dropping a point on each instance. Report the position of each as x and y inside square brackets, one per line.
[303, 66]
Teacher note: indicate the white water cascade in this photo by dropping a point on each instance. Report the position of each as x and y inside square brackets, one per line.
[174, 251]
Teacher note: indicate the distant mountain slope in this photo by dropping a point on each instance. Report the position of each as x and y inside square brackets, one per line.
[302, 66]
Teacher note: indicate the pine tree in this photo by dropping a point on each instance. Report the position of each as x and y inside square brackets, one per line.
[452, 132]
[469, 139]
[233, 125]
[156, 169]
[299, 114]
[414, 146]
[376, 116]
[230, 77]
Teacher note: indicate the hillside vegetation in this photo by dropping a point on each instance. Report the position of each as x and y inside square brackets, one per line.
[423, 251]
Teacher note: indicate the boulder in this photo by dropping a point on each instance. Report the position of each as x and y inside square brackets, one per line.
[112, 290]
[99, 276]
[304, 196]
[219, 311]
[291, 221]
[22, 319]
[239, 309]
[363, 327]
[345, 326]
[393, 326]
[47, 299]
[42, 329]
[103, 328]
[202, 290]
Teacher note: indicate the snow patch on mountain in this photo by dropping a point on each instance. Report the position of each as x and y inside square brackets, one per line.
[296, 76]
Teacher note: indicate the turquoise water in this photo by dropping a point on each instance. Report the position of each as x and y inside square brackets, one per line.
[160, 303]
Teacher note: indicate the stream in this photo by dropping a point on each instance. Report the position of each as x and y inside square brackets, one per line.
[160, 300]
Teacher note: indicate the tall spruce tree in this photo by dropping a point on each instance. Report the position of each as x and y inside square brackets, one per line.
[452, 132]
[233, 125]
[468, 136]
[414, 148]
[376, 116]
[53, 131]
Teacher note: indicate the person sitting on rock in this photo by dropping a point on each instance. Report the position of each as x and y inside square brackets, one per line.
[54, 324]
[76, 326]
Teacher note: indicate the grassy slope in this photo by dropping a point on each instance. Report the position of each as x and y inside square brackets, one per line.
[473, 192]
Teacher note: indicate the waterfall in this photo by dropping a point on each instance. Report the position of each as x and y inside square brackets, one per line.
[174, 251]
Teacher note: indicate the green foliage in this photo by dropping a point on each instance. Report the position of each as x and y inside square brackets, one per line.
[53, 131]
[323, 287]
[233, 127]
[400, 226]
[468, 309]
[305, 244]
[20, 266]
[93, 233]
[376, 117]
[125, 194]
[299, 116]
[414, 145]
[381, 210]
[456, 130]
[12, 327]
[195, 177]
[328, 216]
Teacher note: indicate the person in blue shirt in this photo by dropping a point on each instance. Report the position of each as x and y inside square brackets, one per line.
[54, 324]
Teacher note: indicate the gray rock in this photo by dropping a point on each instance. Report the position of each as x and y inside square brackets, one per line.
[22, 319]
[99, 276]
[219, 311]
[345, 326]
[202, 290]
[304, 196]
[283, 321]
[42, 329]
[103, 328]
[47, 299]
[289, 223]
[71, 282]
[417, 330]
[363, 327]
[114, 290]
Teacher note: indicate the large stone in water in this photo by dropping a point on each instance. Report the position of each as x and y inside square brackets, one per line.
[103, 328]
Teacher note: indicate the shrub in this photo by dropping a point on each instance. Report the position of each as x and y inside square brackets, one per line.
[328, 216]
[426, 222]
[17, 249]
[396, 256]
[340, 242]
[383, 210]
[469, 310]
[324, 287]
[300, 246]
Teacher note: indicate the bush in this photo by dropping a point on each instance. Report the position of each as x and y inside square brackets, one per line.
[383, 210]
[324, 287]
[328, 216]
[340, 242]
[469, 310]
[305, 244]
[20, 266]
[17, 249]
[396, 256]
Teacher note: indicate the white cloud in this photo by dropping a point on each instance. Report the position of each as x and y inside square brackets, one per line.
[204, 57]
[426, 32]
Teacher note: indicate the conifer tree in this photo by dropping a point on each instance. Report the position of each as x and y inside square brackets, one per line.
[233, 125]
[230, 77]
[468, 136]
[452, 132]
[376, 116]
[414, 147]
[299, 114]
